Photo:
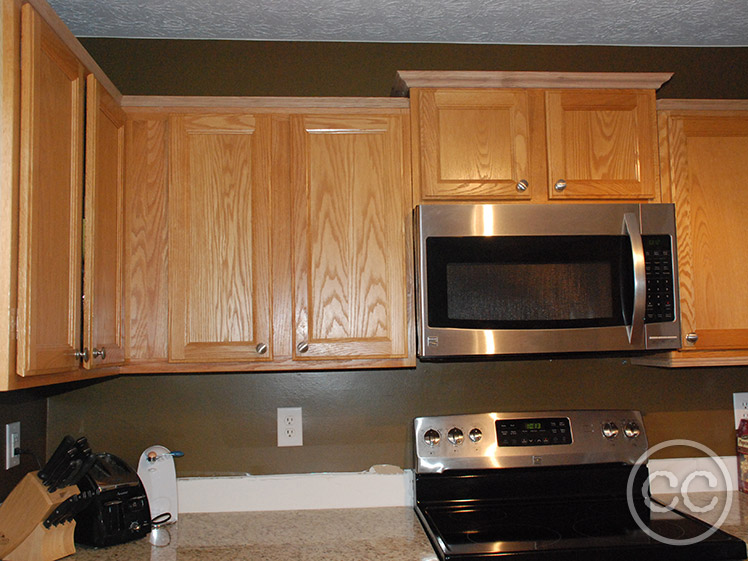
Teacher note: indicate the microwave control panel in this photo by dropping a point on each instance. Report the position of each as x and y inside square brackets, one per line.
[658, 265]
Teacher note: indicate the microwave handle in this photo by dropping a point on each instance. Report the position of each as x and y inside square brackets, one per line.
[631, 229]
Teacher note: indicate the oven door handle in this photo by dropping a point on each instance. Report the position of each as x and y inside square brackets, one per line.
[631, 229]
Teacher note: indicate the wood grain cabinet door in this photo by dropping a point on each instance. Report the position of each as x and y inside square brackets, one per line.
[709, 179]
[219, 247]
[350, 218]
[103, 228]
[601, 144]
[50, 202]
[472, 144]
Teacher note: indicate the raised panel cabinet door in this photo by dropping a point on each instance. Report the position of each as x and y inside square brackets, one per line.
[103, 228]
[709, 176]
[219, 238]
[50, 202]
[601, 144]
[473, 144]
[351, 209]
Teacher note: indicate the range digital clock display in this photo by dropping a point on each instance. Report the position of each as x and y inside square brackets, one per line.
[533, 432]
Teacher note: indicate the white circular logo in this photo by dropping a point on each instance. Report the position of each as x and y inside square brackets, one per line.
[673, 480]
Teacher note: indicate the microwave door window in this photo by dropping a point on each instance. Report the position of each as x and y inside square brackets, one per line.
[527, 282]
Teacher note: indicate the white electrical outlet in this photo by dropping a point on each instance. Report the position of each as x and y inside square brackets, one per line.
[12, 441]
[289, 427]
[740, 406]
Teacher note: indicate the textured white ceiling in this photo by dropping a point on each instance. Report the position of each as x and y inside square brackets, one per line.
[566, 22]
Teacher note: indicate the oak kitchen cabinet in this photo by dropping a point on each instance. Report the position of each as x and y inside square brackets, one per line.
[288, 234]
[533, 136]
[704, 150]
[46, 100]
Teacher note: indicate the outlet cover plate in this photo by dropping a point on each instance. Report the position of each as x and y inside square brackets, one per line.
[290, 427]
[740, 406]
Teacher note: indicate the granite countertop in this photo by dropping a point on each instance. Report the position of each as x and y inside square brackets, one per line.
[362, 534]
[381, 534]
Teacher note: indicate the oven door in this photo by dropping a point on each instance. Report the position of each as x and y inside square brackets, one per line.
[515, 279]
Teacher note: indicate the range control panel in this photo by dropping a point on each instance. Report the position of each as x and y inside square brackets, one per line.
[502, 440]
[542, 431]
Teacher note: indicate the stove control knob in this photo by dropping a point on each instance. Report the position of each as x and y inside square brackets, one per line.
[610, 430]
[455, 436]
[475, 435]
[631, 430]
[431, 437]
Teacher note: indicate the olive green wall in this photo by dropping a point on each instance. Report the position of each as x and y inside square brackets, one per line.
[30, 408]
[368, 69]
[226, 422]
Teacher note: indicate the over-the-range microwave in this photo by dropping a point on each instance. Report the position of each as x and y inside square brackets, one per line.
[496, 279]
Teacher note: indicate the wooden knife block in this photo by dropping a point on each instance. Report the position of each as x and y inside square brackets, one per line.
[23, 536]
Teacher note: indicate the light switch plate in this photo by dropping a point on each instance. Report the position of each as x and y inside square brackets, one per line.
[12, 441]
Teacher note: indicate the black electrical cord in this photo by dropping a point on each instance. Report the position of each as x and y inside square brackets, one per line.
[27, 452]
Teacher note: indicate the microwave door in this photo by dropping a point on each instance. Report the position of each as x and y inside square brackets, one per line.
[635, 325]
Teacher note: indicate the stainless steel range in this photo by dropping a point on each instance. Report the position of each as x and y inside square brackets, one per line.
[549, 486]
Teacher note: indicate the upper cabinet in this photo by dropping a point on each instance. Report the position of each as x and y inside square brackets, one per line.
[533, 136]
[103, 304]
[350, 247]
[50, 202]
[67, 315]
[704, 148]
[289, 235]
[219, 238]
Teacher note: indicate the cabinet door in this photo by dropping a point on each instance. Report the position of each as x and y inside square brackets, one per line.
[709, 175]
[351, 211]
[50, 202]
[601, 144]
[472, 144]
[103, 230]
[219, 247]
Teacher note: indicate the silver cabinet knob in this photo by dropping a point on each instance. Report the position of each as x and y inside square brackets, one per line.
[99, 353]
[522, 185]
[560, 185]
[82, 355]
[261, 348]
[302, 347]
[692, 337]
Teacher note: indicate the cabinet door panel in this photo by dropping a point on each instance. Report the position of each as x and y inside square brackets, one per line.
[50, 202]
[708, 158]
[102, 280]
[602, 144]
[473, 144]
[350, 215]
[219, 255]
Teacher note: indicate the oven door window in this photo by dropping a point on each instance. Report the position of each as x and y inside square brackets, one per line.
[529, 282]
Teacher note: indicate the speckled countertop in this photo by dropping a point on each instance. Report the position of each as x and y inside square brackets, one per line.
[368, 534]
[381, 534]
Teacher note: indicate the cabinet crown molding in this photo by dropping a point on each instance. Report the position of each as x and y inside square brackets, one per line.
[702, 104]
[407, 79]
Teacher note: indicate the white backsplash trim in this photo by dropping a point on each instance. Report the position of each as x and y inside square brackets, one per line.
[370, 489]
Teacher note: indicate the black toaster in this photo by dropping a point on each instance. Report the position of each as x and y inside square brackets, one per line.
[119, 510]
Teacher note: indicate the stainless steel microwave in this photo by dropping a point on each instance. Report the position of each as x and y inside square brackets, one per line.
[496, 279]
